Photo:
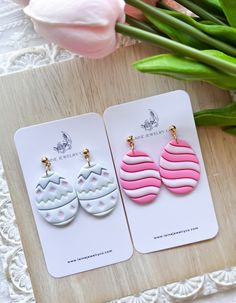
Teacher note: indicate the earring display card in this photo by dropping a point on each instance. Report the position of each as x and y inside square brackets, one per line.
[170, 220]
[88, 241]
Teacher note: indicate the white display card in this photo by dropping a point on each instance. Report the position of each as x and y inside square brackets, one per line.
[88, 242]
[171, 220]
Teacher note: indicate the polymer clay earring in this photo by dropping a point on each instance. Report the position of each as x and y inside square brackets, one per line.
[56, 199]
[179, 165]
[139, 175]
[96, 188]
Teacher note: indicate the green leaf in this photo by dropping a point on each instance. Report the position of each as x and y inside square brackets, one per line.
[225, 116]
[167, 17]
[211, 5]
[229, 8]
[221, 32]
[230, 130]
[183, 68]
[177, 47]
[220, 55]
[201, 12]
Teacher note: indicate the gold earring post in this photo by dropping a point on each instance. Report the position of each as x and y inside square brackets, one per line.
[173, 131]
[86, 155]
[47, 164]
[130, 141]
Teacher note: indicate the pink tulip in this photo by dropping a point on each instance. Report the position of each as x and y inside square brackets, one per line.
[134, 12]
[22, 2]
[85, 27]
[178, 7]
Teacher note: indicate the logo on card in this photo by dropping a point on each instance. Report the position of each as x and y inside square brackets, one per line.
[151, 122]
[65, 144]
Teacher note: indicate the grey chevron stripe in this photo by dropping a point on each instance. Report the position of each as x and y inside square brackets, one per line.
[58, 206]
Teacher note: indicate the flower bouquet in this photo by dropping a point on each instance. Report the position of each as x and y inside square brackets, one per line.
[200, 37]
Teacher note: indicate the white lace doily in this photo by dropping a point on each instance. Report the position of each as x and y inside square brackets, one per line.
[21, 48]
[16, 31]
[15, 284]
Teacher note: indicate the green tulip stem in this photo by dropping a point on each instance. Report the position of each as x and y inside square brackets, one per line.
[176, 47]
[182, 26]
[142, 25]
[204, 14]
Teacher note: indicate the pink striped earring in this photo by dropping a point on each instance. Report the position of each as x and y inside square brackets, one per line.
[139, 175]
[179, 165]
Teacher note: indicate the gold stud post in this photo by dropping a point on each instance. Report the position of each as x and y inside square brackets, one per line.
[173, 132]
[47, 164]
[86, 155]
[130, 141]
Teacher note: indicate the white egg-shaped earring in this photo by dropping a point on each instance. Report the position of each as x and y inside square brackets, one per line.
[96, 188]
[55, 198]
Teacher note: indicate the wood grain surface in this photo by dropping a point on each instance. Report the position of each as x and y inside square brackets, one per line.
[81, 86]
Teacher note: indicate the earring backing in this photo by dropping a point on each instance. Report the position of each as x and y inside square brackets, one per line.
[86, 154]
[47, 164]
[130, 141]
[173, 131]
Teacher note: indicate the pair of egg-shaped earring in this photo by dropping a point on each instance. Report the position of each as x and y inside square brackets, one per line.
[141, 177]
[57, 201]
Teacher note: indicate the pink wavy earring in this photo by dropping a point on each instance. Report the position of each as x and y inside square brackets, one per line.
[139, 175]
[179, 165]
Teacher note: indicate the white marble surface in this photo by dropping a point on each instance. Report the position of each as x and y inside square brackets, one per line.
[21, 48]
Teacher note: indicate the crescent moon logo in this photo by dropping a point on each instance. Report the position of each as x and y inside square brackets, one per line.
[151, 122]
[65, 144]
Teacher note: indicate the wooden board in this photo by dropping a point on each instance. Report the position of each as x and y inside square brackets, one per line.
[81, 86]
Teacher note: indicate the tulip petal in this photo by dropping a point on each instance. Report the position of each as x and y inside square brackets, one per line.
[22, 2]
[97, 43]
[81, 26]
